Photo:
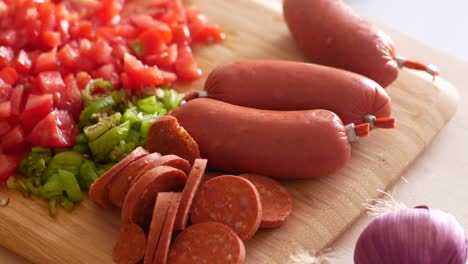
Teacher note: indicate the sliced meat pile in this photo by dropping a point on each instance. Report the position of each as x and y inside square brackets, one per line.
[202, 210]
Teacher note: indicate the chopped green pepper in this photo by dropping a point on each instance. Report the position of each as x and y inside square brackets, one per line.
[103, 145]
[94, 131]
[69, 161]
[94, 108]
[150, 105]
[137, 47]
[52, 187]
[52, 206]
[70, 185]
[171, 99]
[87, 175]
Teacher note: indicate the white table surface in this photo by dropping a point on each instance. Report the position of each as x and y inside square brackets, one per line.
[439, 178]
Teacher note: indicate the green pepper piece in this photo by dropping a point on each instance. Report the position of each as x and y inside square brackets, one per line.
[70, 185]
[171, 99]
[137, 47]
[131, 114]
[81, 148]
[87, 94]
[35, 163]
[95, 108]
[53, 187]
[53, 206]
[81, 139]
[103, 168]
[88, 174]
[150, 105]
[103, 145]
[94, 131]
[146, 122]
[67, 204]
[32, 187]
[69, 161]
[12, 183]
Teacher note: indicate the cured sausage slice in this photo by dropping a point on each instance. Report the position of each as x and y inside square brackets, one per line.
[139, 203]
[196, 243]
[163, 201]
[121, 183]
[210, 175]
[160, 257]
[193, 183]
[166, 136]
[130, 246]
[275, 198]
[166, 160]
[230, 200]
[99, 190]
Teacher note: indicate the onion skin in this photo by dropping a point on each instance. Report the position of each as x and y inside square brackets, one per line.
[412, 236]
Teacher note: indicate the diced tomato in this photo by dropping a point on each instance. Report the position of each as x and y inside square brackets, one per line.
[9, 37]
[81, 29]
[8, 165]
[50, 82]
[69, 58]
[16, 99]
[133, 68]
[151, 42]
[50, 39]
[181, 34]
[36, 108]
[168, 77]
[22, 62]
[101, 52]
[9, 75]
[12, 138]
[70, 99]
[208, 34]
[82, 79]
[165, 59]
[109, 11]
[107, 72]
[47, 15]
[4, 126]
[5, 110]
[46, 61]
[186, 67]
[5, 91]
[6, 56]
[146, 22]
[57, 129]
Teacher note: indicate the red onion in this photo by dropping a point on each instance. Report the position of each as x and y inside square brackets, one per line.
[412, 236]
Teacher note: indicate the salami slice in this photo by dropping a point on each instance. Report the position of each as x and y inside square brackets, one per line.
[99, 190]
[196, 243]
[230, 200]
[121, 183]
[130, 246]
[193, 183]
[166, 136]
[160, 257]
[275, 198]
[139, 203]
[161, 207]
[166, 160]
[210, 175]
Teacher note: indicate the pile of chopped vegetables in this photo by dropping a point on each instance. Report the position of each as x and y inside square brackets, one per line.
[81, 81]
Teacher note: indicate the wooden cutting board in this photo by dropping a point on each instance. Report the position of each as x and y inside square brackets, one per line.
[323, 208]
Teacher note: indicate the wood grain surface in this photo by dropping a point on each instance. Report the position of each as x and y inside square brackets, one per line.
[323, 208]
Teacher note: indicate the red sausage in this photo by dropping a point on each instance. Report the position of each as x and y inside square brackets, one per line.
[196, 243]
[130, 246]
[287, 85]
[161, 207]
[282, 144]
[139, 203]
[332, 34]
[166, 136]
[230, 200]
[121, 183]
[160, 257]
[166, 160]
[275, 198]
[99, 190]
[193, 183]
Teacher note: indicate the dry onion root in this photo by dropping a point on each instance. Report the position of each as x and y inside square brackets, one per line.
[417, 235]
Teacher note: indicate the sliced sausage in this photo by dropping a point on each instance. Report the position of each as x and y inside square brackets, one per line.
[287, 85]
[166, 160]
[230, 200]
[210, 175]
[161, 207]
[121, 183]
[193, 183]
[166, 136]
[332, 34]
[196, 243]
[139, 203]
[160, 257]
[275, 198]
[130, 246]
[282, 144]
[99, 190]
